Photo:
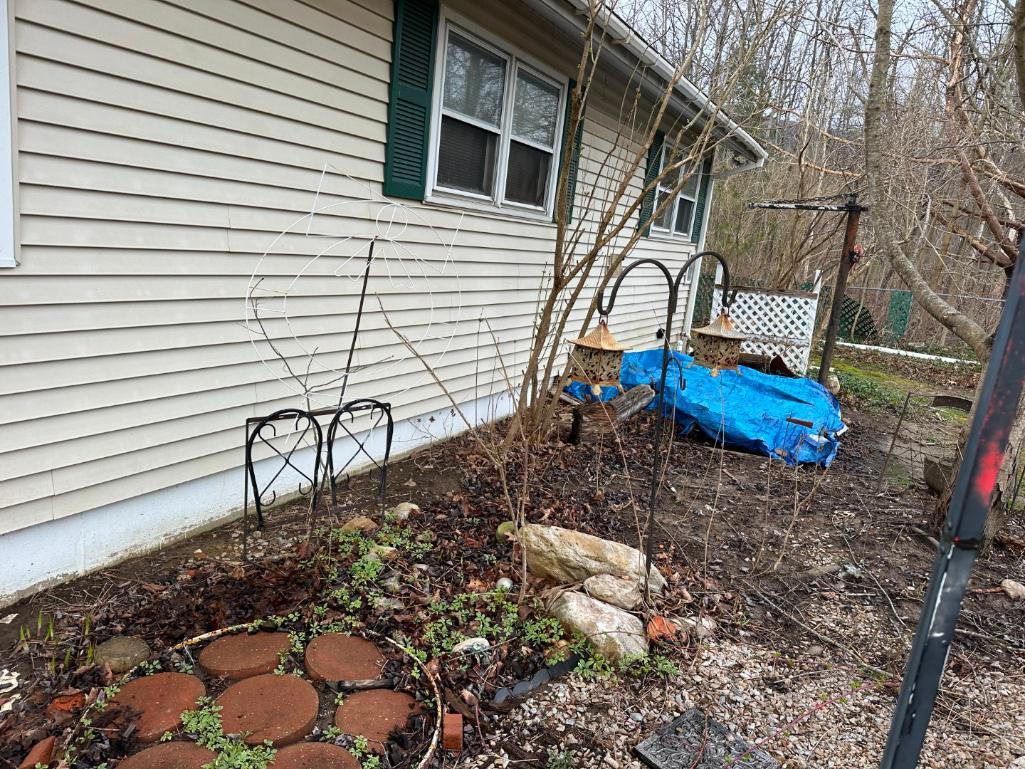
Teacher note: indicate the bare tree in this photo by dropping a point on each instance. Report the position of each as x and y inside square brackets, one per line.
[966, 120]
[590, 249]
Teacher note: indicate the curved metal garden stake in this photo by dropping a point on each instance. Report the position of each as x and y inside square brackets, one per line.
[378, 412]
[673, 284]
[255, 427]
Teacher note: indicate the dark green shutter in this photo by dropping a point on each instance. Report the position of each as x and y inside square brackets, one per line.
[573, 147]
[699, 205]
[654, 163]
[409, 107]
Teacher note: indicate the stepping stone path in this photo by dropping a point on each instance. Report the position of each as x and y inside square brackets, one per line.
[244, 655]
[161, 699]
[375, 713]
[281, 709]
[170, 755]
[314, 755]
[337, 657]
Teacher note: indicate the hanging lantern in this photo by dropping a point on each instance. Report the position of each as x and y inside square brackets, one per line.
[596, 358]
[717, 345]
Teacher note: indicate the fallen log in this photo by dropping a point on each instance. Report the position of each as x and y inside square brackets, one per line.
[591, 420]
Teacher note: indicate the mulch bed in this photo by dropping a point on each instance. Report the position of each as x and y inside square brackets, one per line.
[738, 537]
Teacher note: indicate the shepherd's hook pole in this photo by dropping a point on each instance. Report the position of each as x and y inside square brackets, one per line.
[673, 285]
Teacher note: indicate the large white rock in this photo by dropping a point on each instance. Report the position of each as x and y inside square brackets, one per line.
[624, 593]
[613, 633]
[1015, 590]
[565, 556]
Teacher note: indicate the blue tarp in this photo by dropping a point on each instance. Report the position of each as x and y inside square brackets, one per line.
[743, 409]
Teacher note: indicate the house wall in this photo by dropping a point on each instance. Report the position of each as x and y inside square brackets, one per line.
[163, 148]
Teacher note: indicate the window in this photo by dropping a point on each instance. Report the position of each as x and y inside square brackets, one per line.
[496, 138]
[678, 216]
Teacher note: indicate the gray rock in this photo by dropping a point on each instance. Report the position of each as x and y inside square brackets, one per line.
[401, 512]
[702, 628]
[572, 556]
[122, 653]
[614, 633]
[472, 646]
[624, 593]
[385, 603]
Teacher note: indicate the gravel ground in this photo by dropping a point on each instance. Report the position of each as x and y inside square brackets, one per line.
[810, 710]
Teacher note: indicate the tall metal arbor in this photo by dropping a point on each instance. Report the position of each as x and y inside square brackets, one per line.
[848, 257]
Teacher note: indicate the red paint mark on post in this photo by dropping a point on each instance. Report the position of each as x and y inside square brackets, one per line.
[989, 463]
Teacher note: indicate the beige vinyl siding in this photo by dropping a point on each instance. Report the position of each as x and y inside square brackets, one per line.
[163, 146]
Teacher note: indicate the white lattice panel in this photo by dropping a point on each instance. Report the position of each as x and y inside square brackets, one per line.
[778, 322]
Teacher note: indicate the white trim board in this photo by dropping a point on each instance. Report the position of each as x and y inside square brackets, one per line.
[907, 353]
[8, 196]
[56, 551]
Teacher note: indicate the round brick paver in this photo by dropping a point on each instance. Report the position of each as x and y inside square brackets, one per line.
[374, 713]
[314, 755]
[170, 755]
[282, 709]
[337, 657]
[244, 655]
[160, 699]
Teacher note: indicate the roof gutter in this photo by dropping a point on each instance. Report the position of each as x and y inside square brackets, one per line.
[624, 35]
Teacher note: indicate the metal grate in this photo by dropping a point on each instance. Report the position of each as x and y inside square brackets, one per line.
[694, 741]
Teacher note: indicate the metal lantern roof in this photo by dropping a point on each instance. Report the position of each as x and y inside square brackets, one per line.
[717, 345]
[597, 358]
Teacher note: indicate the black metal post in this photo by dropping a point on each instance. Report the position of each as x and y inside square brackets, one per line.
[850, 238]
[964, 529]
[359, 318]
[603, 310]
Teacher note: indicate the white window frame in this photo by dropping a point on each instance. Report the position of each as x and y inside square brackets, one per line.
[515, 60]
[8, 188]
[681, 195]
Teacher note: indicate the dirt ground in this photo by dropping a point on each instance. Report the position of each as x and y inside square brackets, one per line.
[812, 579]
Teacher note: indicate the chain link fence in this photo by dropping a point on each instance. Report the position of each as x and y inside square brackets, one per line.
[889, 317]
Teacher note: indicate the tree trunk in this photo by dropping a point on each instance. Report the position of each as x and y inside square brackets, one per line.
[966, 329]
[961, 325]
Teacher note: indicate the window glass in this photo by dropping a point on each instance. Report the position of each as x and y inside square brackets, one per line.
[474, 80]
[466, 157]
[494, 141]
[684, 212]
[679, 213]
[527, 178]
[535, 109]
[666, 216]
[690, 187]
